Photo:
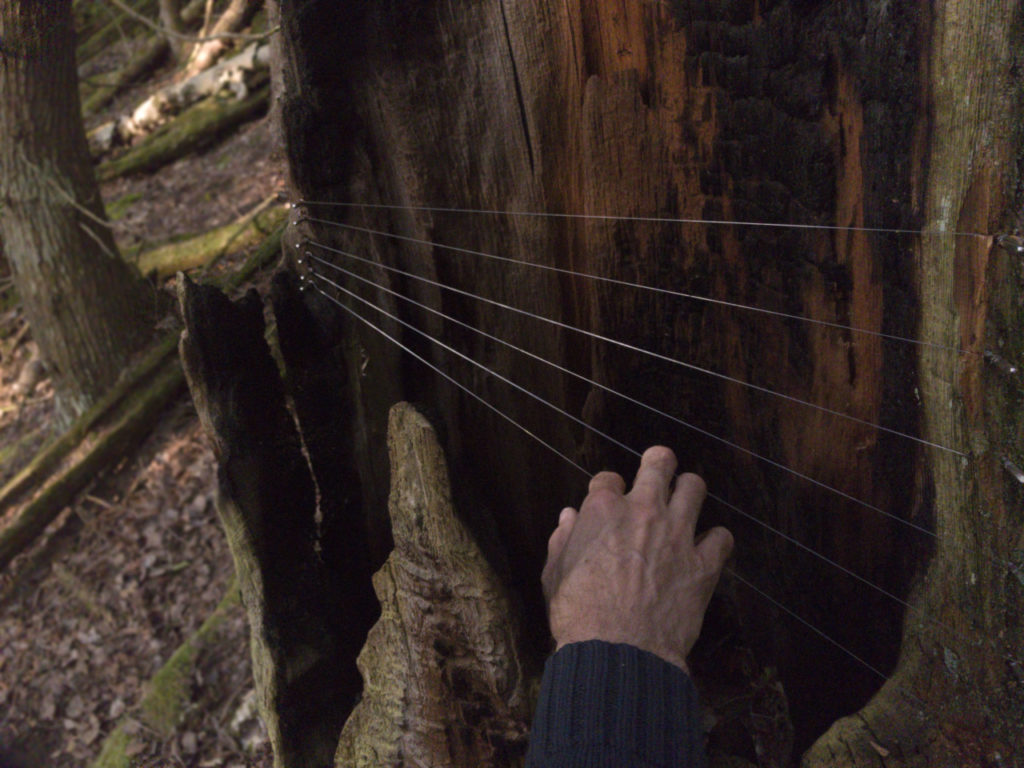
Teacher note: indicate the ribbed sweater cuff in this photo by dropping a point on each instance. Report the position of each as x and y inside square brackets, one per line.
[603, 705]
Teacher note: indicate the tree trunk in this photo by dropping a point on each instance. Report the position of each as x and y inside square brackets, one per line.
[89, 312]
[170, 18]
[893, 122]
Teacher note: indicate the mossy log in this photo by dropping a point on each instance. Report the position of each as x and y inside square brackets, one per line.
[195, 128]
[165, 701]
[122, 429]
[55, 451]
[240, 75]
[443, 684]
[112, 428]
[206, 248]
[293, 525]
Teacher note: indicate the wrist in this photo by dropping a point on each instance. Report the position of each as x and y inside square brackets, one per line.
[664, 654]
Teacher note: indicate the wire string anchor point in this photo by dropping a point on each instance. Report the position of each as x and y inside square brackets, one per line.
[1014, 470]
[1012, 244]
[1004, 366]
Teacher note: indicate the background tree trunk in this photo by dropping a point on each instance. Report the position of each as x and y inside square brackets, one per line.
[87, 309]
[170, 18]
[895, 115]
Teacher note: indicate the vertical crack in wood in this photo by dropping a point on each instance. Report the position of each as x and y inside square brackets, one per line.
[519, 87]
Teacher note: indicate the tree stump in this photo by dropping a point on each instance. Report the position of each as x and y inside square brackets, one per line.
[293, 524]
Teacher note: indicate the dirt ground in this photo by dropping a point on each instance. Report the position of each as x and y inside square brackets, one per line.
[138, 562]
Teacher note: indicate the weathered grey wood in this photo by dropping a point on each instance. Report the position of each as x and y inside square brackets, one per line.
[235, 75]
[443, 681]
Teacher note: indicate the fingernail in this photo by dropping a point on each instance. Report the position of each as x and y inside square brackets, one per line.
[564, 515]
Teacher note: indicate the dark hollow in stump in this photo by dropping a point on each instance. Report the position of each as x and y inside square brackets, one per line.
[294, 526]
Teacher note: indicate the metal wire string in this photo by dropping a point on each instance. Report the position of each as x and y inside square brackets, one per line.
[562, 412]
[641, 286]
[987, 555]
[628, 398]
[654, 219]
[649, 353]
[821, 633]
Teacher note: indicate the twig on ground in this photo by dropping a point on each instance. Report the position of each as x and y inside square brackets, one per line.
[192, 38]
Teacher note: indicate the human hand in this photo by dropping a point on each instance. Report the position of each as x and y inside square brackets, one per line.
[627, 569]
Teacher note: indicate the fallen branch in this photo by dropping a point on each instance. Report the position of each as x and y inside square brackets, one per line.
[56, 451]
[194, 129]
[240, 75]
[216, 36]
[129, 423]
[236, 16]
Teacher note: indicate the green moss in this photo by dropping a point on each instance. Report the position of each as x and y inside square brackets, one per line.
[198, 250]
[197, 127]
[117, 209]
[13, 455]
[169, 690]
[163, 706]
[115, 750]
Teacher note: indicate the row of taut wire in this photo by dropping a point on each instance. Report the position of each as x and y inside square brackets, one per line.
[311, 262]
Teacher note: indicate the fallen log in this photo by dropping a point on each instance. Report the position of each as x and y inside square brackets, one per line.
[203, 250]
[240, 75]
[145, 61]
[108, 431]
[56, 451]
[197, 127]
[125, 426]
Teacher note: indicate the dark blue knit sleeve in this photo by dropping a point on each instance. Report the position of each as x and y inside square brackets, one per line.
[605, 705]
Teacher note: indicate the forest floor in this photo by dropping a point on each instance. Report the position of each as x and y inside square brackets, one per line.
[132, 569]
